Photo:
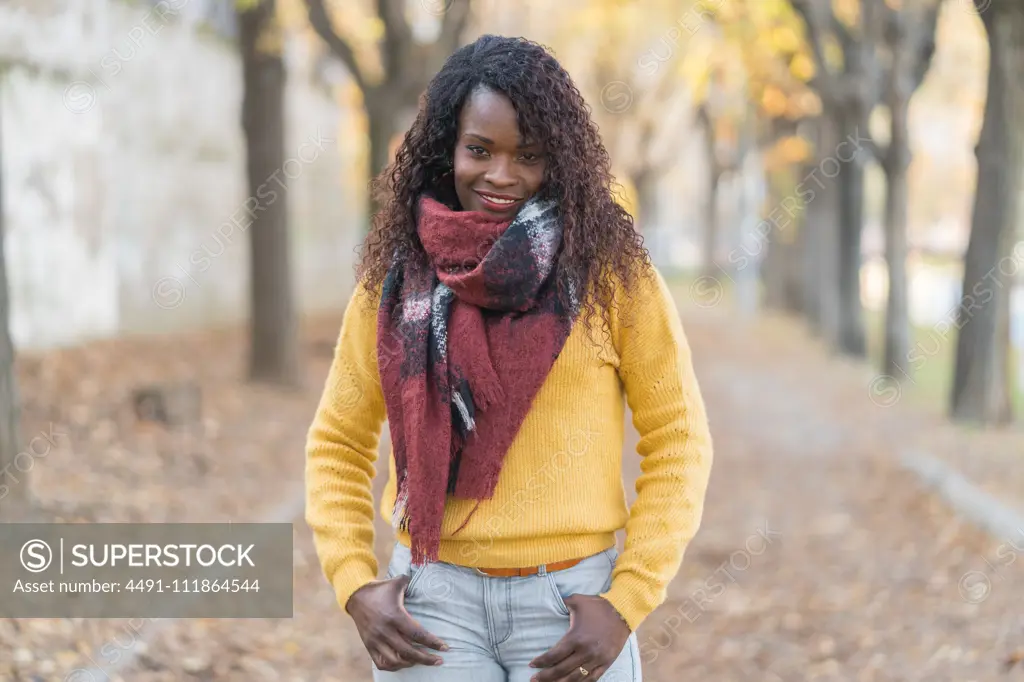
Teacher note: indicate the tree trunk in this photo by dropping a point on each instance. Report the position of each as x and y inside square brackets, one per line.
[382, 127]
[911, 39]
[714, 176]
[779, 264]
[781, 273]
[751, 240]
[810, 273]
[711, 224]
[895, 362]
[982, 384]
[388, 114]
[793, 289]
[643, 183]
[848, 97]
[14, 497]
[851, 221]
[274, 326]
[408, 66]
[774, 272]
[820, 195]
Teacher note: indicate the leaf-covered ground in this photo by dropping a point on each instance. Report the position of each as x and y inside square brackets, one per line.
[819, 558]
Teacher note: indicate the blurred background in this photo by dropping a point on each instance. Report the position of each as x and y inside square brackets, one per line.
[833, 189]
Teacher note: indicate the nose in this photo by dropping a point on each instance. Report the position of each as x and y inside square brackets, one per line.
[499, 175]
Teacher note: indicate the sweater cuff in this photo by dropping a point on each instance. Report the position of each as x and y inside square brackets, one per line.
[631, 597]
[348, 580]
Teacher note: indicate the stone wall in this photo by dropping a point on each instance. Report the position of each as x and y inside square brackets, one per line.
[123, 171]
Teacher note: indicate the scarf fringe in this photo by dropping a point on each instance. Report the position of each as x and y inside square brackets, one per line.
[487, 390]
[400, 513]
[467, 419]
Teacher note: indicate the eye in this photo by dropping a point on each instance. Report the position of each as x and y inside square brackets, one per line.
[476, 150]
[530, 157]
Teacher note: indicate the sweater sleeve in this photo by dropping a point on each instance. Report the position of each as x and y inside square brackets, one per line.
[656, 369]
[341, 450]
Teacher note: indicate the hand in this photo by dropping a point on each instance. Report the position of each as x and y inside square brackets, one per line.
[595, 639]
[386, 628]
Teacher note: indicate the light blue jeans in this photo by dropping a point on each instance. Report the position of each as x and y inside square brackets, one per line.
[496, 626]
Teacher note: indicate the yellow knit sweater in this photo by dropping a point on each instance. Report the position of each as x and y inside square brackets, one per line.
[560, 494]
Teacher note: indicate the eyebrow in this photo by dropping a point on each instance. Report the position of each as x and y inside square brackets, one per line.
[486, 140]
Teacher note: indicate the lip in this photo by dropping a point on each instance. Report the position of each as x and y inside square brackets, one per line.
[490, 205]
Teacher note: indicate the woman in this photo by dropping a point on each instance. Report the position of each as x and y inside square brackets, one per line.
[505, 303]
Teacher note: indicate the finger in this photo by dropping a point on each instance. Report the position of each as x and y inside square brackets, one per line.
[415, 632]
[385, 658]
[566, 670]
[597, 672]
[555, 655]
[409, 653]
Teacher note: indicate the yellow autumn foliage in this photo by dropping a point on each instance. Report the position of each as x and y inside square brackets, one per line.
[774, 101]
[802, 67]
[788, 151]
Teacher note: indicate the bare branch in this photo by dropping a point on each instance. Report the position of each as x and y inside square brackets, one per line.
[803, 8]
[824, 79]
[259, 12]
[396, 51]
[453, 26]
[321, 22]
[664, 134]
[925, 44]
[704, 121]
[873, 16]
[841, 31]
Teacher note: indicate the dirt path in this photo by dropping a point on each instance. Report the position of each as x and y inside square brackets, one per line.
[864, 578]
[818, 557]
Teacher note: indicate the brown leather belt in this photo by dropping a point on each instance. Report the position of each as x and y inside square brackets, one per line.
[529, 570]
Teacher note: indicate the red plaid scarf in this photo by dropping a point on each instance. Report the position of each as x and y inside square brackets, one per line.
[463, 347]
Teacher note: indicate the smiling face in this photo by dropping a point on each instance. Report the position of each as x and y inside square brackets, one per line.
[495, 169]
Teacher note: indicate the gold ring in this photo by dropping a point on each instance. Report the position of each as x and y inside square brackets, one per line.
[584, 671]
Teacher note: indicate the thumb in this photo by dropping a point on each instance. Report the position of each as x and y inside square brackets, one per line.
[572, 601]
[402, 580]
[572, 604]
[401, 583]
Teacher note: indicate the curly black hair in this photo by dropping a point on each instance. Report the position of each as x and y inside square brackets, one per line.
[600, 244]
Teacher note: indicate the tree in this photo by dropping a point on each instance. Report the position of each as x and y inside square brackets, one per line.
[763, 38]
[820, 253]
[643, 140]
[274, 352]
[390, 100]
[723, 154]
[625, 59]
[654, 136]
[716, 169]
[13, 490]
[907, 32]
[785, 166]
[910, 37]
[981, 383]
[849, 93]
